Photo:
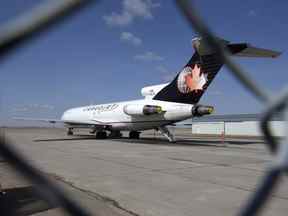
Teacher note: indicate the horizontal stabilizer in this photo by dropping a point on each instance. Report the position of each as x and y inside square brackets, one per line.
[246, 50]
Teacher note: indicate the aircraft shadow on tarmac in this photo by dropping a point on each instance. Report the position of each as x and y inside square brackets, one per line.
[158, 140]
[22, 201]
[70, 138]
[185, 142]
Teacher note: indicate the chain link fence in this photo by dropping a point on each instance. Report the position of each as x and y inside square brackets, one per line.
[20, 31]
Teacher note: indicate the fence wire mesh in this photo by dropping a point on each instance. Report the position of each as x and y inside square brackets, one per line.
[20, 31]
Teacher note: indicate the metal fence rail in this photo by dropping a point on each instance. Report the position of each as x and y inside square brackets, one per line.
[19, 32]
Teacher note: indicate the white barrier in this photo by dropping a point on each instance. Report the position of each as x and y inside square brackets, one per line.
[249, 128]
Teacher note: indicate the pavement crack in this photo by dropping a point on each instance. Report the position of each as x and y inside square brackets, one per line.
[207, 164]
[197, 162]
[233, 187]
[179, 168]
[95, 195]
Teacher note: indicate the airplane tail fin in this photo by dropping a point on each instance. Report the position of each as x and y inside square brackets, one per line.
[193, 80]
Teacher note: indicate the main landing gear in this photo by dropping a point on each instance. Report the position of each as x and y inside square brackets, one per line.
[165, 132]
[115, 134]
[101, 135]
[70, 131]
[134, 135]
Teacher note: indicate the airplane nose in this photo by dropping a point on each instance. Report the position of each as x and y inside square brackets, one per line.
[65, 115]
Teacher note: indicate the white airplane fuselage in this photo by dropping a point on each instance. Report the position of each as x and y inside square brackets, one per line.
[114, 115]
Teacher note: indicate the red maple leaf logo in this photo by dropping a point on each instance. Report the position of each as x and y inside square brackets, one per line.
[195, 80]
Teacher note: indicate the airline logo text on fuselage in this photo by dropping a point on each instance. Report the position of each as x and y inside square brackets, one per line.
[102, 108]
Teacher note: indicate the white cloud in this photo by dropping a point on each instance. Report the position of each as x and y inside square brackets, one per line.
[33, 107]
[20, 109]
[130, 38]
[161, 69]
[118, 19]
[41, 106]
[131, 9]
[149, 56]
[166, 75]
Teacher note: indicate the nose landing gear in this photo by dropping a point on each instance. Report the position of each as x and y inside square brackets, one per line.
[70, 132]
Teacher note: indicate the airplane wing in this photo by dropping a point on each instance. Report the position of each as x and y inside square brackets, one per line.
[82, 124]
[52, 121]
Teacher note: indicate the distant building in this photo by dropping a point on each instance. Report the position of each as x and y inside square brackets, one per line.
[237, 125]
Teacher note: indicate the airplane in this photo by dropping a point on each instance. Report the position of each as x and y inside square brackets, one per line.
[163, 104]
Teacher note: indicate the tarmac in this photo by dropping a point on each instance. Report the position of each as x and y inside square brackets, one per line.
[146, 177]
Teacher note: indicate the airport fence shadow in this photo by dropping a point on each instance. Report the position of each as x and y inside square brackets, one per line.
[22, 201]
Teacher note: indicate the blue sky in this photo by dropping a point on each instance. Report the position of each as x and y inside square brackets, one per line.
[109, 51]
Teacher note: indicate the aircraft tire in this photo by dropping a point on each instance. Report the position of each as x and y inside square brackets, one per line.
[70, 132]
[115, 134]
[101, 135]
[134, 135]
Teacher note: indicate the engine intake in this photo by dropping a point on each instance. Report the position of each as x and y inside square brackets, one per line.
[200, 110]
[135, 109]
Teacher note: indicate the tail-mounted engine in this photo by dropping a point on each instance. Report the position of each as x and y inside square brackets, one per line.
[200, 110]
[137, 109]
